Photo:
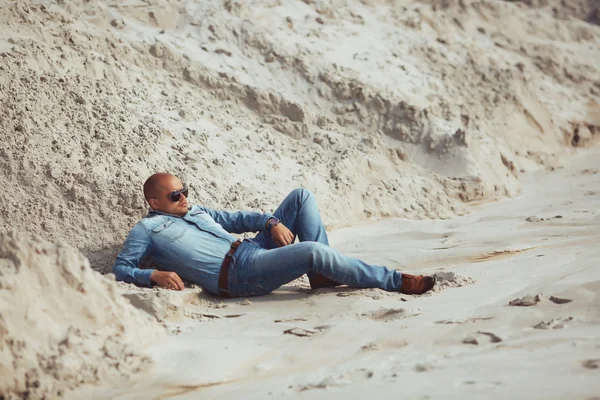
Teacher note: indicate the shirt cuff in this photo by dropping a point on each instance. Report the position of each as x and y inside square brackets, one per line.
[144, 277]
[266, 218]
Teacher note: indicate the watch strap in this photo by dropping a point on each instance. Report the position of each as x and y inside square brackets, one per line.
[271, 222]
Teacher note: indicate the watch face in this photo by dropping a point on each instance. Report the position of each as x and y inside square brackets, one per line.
[273, 221]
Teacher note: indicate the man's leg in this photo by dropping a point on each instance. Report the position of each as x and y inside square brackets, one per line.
[299, 212]
[266, 270]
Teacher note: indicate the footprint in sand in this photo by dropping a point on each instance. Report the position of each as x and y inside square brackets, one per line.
[531, 300]
[591, 364]
[499, 254]
[479, 336]
[557, 323]
[345, 379]
[534, 219]
[389, 314]
[277, 321]
[526, 301]
[300, 332]
[306, 332]
[460, 322]
[424, 367]
[558, 300]
[385, 344]
[196, 315]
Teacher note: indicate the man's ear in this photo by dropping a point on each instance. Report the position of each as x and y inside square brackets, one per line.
[153, 203]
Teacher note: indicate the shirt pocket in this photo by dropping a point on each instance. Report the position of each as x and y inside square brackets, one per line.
[170, 230]
[204, 221]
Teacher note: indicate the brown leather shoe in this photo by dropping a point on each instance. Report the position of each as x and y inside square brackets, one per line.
[320, 281]
[413, 284]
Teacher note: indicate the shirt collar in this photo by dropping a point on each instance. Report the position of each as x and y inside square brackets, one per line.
[152, 212]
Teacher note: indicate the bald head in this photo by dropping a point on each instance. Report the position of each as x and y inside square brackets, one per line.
[157, 191]
[153, 185]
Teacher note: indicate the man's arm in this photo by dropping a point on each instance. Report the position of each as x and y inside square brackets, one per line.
[239, 221]
[136, 246]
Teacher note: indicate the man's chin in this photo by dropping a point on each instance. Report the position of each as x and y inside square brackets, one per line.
[182, 210]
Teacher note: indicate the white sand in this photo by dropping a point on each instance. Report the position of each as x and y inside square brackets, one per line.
[62, 324]
[347, 343]
[420, 110]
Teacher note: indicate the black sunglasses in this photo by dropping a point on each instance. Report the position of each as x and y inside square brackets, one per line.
[176, 194]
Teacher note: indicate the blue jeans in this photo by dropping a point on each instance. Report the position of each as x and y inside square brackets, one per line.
[259, 266]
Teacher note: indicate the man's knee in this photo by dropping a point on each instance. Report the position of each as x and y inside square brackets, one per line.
[312, 248]
[301, 195]
[318, 253]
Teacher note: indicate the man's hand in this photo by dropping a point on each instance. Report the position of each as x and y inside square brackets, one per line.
[282, 235]
[168, 280]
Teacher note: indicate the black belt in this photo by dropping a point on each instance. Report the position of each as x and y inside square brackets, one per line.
[224, 274]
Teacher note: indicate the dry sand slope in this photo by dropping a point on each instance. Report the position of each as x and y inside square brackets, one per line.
[404, 109]
[61, 323]
[414, 109]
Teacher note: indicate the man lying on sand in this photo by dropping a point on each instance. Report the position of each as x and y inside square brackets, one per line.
[194, 243]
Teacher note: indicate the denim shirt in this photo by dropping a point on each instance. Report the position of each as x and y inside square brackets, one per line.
[193, 245]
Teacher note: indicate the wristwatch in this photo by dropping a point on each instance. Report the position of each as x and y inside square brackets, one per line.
[271, 223]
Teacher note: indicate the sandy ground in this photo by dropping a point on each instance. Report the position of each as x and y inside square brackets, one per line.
[423, 110]
[458, 342]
